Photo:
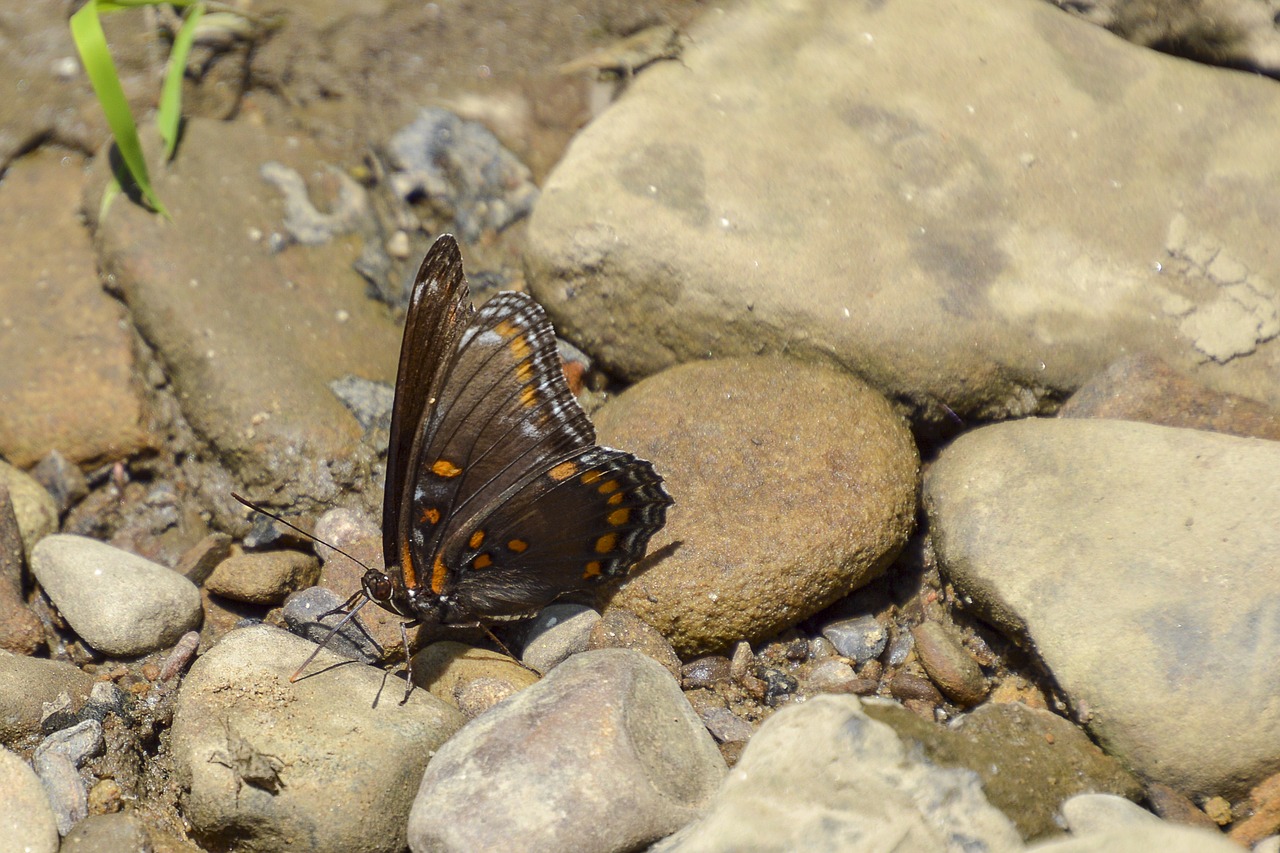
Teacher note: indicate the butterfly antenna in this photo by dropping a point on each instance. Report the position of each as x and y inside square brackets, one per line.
[269, 514]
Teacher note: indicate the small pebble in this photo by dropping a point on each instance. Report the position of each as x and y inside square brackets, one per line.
[199, 561]
[559, 631]
[952, 668]
[77, 743]
[860, 639]
[705, 672]
[67, 792]
[265, 577]
[830, 676]
[778, 685]
[62, 479]
[905, 685]
[622, 629]
[741, 661]
[726, 726]
[105, 797]
[180, 655]
[302, 614]
[900, 648]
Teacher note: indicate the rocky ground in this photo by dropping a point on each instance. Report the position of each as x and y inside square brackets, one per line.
[952, 330]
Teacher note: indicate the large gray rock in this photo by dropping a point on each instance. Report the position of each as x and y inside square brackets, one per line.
[330, 763]
[602, 754]
[1139, 561]
[824, 776]
[976, 209]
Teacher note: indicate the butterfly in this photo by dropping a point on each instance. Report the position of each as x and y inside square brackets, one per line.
[497, 498]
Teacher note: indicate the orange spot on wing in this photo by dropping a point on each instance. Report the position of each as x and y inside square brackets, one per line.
[592, 569]
[483, 561]
[606, 543]
[607, 487]
[614, 500]
[477, 539]
[518, 545]
[563, 471]
[519, 348]
[445, 468]
[524, 371]
[430, 515]
[529, 397]
[590, 477]
[407, 569]
[619, 516]
[438, 575]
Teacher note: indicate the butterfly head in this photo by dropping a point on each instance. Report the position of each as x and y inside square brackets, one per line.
[387, 590]
[379, 588]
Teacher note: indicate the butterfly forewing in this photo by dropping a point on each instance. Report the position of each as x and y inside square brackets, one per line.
[505, 408]
[439, 312]
[565, 527]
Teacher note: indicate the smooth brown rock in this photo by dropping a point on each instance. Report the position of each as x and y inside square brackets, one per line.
[793, 485]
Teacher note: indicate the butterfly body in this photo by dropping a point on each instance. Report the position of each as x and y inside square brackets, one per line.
[497, 498]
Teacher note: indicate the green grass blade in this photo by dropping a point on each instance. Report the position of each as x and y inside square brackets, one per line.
[169, 115]
[91, 43]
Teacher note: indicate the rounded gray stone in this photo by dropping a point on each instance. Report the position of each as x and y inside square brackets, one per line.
[860, 638]
[329, 763]
[26, 821]
[559, 631]
[602, 754]
[118, 602]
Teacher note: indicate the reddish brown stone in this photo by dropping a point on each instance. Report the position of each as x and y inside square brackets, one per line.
[1144, 388]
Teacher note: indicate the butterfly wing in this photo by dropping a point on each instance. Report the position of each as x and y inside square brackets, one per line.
[439, 313]
[505, 409]
[565, 527]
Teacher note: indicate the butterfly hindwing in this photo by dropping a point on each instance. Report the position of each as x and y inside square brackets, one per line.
[583, 519]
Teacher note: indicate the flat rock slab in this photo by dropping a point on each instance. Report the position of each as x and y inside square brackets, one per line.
[330, 763]
[976, 211]
[793, 484]
[1139, 561]
[67, 371]
[251, 338]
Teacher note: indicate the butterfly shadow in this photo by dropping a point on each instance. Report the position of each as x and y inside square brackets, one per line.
[648, 561]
